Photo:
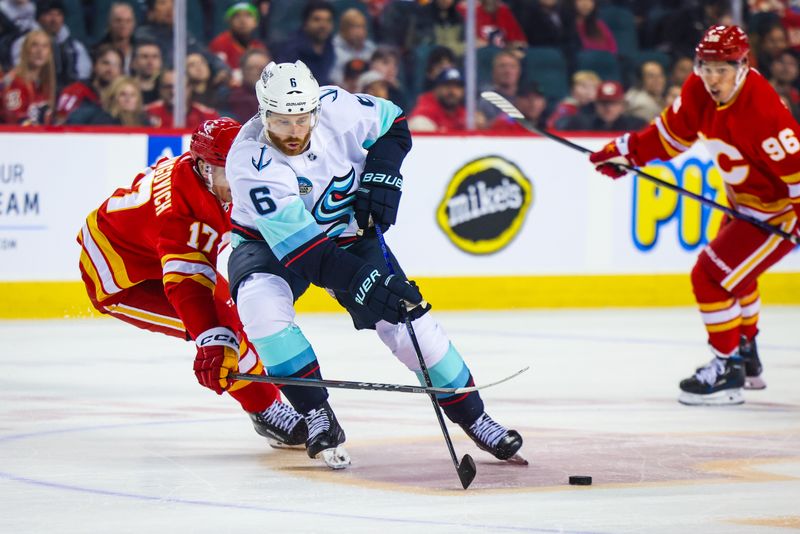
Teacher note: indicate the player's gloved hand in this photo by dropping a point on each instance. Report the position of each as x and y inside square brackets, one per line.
[382, 294]
[606, 159]
[217, 355]
[378, 196]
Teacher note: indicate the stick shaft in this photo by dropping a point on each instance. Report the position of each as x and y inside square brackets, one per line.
[465, 480]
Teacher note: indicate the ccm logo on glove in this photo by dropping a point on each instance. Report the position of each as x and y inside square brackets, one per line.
[365, 286]
[218, 339]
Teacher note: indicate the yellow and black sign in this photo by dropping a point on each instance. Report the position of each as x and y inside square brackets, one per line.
[485, 205]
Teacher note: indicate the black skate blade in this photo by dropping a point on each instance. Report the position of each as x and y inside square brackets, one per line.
[466, 471]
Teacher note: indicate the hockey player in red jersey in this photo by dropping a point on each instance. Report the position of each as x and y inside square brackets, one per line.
[755, 143]
[149, 258]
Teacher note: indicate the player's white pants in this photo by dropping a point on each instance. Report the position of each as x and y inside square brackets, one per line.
[266, 309]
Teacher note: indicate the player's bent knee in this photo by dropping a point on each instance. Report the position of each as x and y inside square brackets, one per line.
[265, 304]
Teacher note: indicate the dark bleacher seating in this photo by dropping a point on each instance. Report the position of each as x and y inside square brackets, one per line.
[547, 67]
[605, 64]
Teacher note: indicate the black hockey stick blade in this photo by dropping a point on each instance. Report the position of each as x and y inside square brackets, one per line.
[466, 471]
[501, 103]
[370, 386]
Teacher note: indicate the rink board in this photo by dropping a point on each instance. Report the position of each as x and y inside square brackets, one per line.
[485, 223]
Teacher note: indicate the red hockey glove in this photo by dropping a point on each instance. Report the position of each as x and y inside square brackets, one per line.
[217, 355]
[606, 159]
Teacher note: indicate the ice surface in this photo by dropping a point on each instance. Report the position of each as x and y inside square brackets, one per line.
[104, 429]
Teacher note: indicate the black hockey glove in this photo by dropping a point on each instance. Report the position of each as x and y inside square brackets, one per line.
[382, 294]
[378, 196]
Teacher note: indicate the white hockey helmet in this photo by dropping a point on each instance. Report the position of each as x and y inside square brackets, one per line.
[287, 88]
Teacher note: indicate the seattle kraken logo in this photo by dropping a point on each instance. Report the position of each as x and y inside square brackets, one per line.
[334, 206]
[260, 165]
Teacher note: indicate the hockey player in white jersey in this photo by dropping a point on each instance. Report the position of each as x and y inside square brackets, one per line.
[312, 169]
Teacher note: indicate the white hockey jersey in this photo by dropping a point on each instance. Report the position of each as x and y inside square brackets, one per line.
[291, 199]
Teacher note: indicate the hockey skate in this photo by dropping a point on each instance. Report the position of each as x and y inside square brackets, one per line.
[283, 427]
[325, 438]
[752, 364]
[497, 440]
[720, 382]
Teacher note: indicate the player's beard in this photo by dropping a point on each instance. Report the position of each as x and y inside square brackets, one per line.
[282, 144]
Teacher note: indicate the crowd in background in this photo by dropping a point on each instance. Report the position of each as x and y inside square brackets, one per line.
[598, 65]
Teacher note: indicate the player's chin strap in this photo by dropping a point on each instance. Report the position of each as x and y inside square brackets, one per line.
[206, 171]
[741, 75]
[742, 69]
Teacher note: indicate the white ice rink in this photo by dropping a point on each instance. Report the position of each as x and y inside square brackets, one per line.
[104, 429]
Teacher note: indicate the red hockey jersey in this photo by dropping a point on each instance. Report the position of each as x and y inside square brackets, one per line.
[72, 96]
[753, 139]
[24, 102]
[167, 226]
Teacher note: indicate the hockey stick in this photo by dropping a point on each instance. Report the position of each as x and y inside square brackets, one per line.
[371, 386]
[466, 470]
[509, 109]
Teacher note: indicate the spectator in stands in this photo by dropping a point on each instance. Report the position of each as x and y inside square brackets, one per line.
[160, 111]
[442, 109]
[683, 27]
[593, 33]
[313, 43]
[107, 67]
[583, 93]
[123, 101]
[198, 74]
[120, 105]
[386, 60]
[72, 61]
[544, 25]
[352, 71]
[264, 11]
[146, 67]
[121, 25]
[242, 102]
[351, 42]
[30, 88]
[531, 103]
[783, 75]
[496, 25]
[646, 100]
[609, 113]
[771, 43]
[439, 59]
[159, 29]
[506, 72]
[231, 44]
[373, 83]
[673, 92]
[439, 23]
[17, 17]
[20, 15]
[682, 67]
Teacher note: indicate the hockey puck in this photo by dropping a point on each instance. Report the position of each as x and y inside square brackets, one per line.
[579, 480]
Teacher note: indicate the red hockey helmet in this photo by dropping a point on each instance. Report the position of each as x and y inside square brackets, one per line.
[212, 140]
[723, 43]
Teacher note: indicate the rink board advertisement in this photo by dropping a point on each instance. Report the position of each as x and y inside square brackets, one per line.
[514, 221]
